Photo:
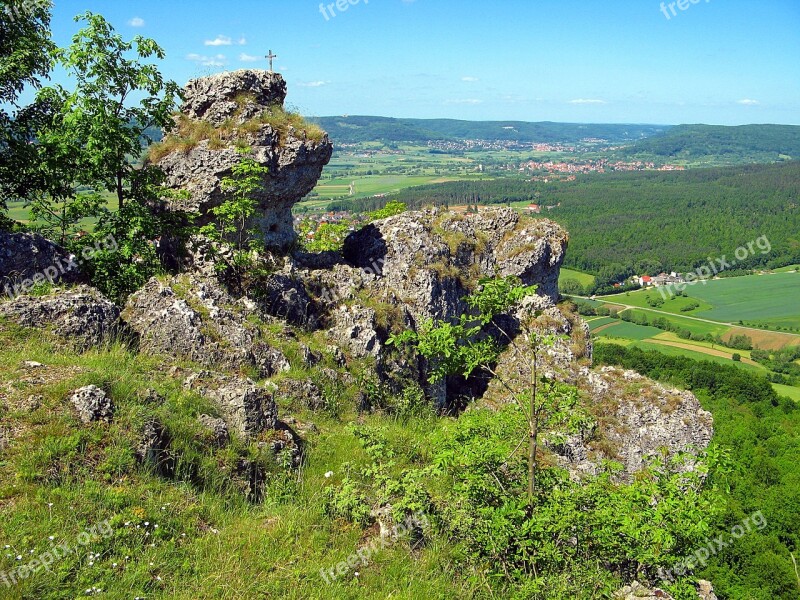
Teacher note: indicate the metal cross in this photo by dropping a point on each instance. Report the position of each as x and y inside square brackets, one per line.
[271, 56]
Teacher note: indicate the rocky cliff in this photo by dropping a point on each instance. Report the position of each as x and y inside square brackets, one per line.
[243, 109]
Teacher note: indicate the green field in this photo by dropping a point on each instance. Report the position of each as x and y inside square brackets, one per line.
[630, 331]
[583, 278]
[789, 392]
[756, 299]
[671, 304]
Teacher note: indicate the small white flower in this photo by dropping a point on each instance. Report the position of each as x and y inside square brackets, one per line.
[51, 538]
[114, 565]
[329, 474]
[19, 556]
[146, 523]
[155, 526]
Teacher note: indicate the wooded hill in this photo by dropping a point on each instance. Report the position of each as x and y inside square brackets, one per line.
[628, 223]
[355, 129]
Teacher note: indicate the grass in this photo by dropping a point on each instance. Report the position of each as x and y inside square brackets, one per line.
[755, 299]
[673, 304]
[583, 278]
[60, 478]
[189, 133]
[630, 331]
[788, 391]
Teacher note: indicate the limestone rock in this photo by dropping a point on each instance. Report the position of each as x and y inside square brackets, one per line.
[25, 256]
[82, 315]
[636, 591]
[196, 319]
[92, 404]
[247, 408]
[306, 392]
[642, 417]
[355, 329]
[294, 162]
[217, 428]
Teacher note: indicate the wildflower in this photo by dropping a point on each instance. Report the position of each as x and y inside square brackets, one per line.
[329, 474]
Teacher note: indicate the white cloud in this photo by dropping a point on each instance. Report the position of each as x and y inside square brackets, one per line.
[470, 79]
[136, 22]
[748, 102]
[244, 57]
[313, 83]
[243, 41]
[587, 101]
[218, 60]
[220, 40]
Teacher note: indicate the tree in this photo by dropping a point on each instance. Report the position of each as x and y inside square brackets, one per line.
[94, 135]
[234, 214]
[26, 56]
[463, 346]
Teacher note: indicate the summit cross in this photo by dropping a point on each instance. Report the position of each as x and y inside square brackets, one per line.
[271, 57]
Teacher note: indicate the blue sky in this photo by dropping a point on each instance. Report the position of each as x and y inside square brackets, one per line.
[725, 62]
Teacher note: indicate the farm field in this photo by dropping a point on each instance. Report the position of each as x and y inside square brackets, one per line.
[583, 278]
[754, 300]
[671, 304]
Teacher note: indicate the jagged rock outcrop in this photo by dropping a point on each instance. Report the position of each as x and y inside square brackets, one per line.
[234, 103]
[92, 404]
[196, 319]
[248, 408]
[641, 418]
[428, 260]
[82, 315]
[306, 392]
[28, 258]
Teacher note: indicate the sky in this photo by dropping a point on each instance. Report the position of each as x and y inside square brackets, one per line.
[726, 62]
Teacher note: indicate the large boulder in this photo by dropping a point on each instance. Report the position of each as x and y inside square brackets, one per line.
[196, 319]
[232, 105]
[82, 315]
[247, 408]
[28, 258]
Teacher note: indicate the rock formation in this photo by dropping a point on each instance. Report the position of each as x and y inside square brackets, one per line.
[82, 316]
[29, 258]
[234, 105]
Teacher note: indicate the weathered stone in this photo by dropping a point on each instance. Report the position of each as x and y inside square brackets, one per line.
[25, 256]
[92, 404]
[642, 418]
[82, 316]
[355, 329]
[285, 297]
[305, 392]
[636, 591]
[246, 407]
[294, 162]
[196, 319]
[217, 428]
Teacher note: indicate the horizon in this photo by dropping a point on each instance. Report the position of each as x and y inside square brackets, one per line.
[709, 63]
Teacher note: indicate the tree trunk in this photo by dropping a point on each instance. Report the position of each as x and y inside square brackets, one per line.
[120, 190]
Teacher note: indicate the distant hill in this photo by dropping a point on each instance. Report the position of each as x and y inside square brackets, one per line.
[756, 143]
[355, 129]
